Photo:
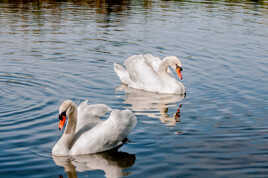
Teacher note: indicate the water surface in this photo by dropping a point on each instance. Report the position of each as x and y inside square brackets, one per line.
[56, 50]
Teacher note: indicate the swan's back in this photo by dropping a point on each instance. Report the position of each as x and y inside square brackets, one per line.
[133, 64]
[106, 135]
[138, 68]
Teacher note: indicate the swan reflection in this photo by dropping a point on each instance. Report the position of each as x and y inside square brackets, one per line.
[112, 162]
[153, 105]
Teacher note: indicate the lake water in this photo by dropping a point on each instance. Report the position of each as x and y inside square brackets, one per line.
[56, 50]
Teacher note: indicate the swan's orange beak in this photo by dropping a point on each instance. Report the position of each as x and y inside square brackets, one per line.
[62, 119]
[178, 70]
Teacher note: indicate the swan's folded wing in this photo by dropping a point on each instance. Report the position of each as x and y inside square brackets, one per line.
[107, 135]
[154, 62]
[140, 72]
[89, 115]
[132, 64]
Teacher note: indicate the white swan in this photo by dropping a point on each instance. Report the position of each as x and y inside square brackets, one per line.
[149, 73]
[86, 133]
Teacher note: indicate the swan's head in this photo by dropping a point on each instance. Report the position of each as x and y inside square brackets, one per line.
[175, 64]
[65, 109]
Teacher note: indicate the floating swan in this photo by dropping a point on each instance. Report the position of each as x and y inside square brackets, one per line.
[86, 133]
[149, 73]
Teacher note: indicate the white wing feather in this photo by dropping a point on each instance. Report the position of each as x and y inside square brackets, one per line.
[89, 115]
[106, 135]
[137, 68]
[155, 62]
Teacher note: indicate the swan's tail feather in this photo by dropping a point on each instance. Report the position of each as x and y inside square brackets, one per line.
[122, 73]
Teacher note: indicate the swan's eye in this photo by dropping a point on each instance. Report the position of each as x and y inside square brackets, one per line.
[61, 115]
[178, 67]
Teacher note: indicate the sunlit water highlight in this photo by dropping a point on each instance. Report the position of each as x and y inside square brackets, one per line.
[52, 51]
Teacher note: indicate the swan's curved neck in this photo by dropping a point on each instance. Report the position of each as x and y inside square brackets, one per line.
[72, 120]
[164, 65]
[64, 144]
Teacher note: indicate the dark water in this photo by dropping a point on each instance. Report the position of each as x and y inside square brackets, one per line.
[56, 50]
